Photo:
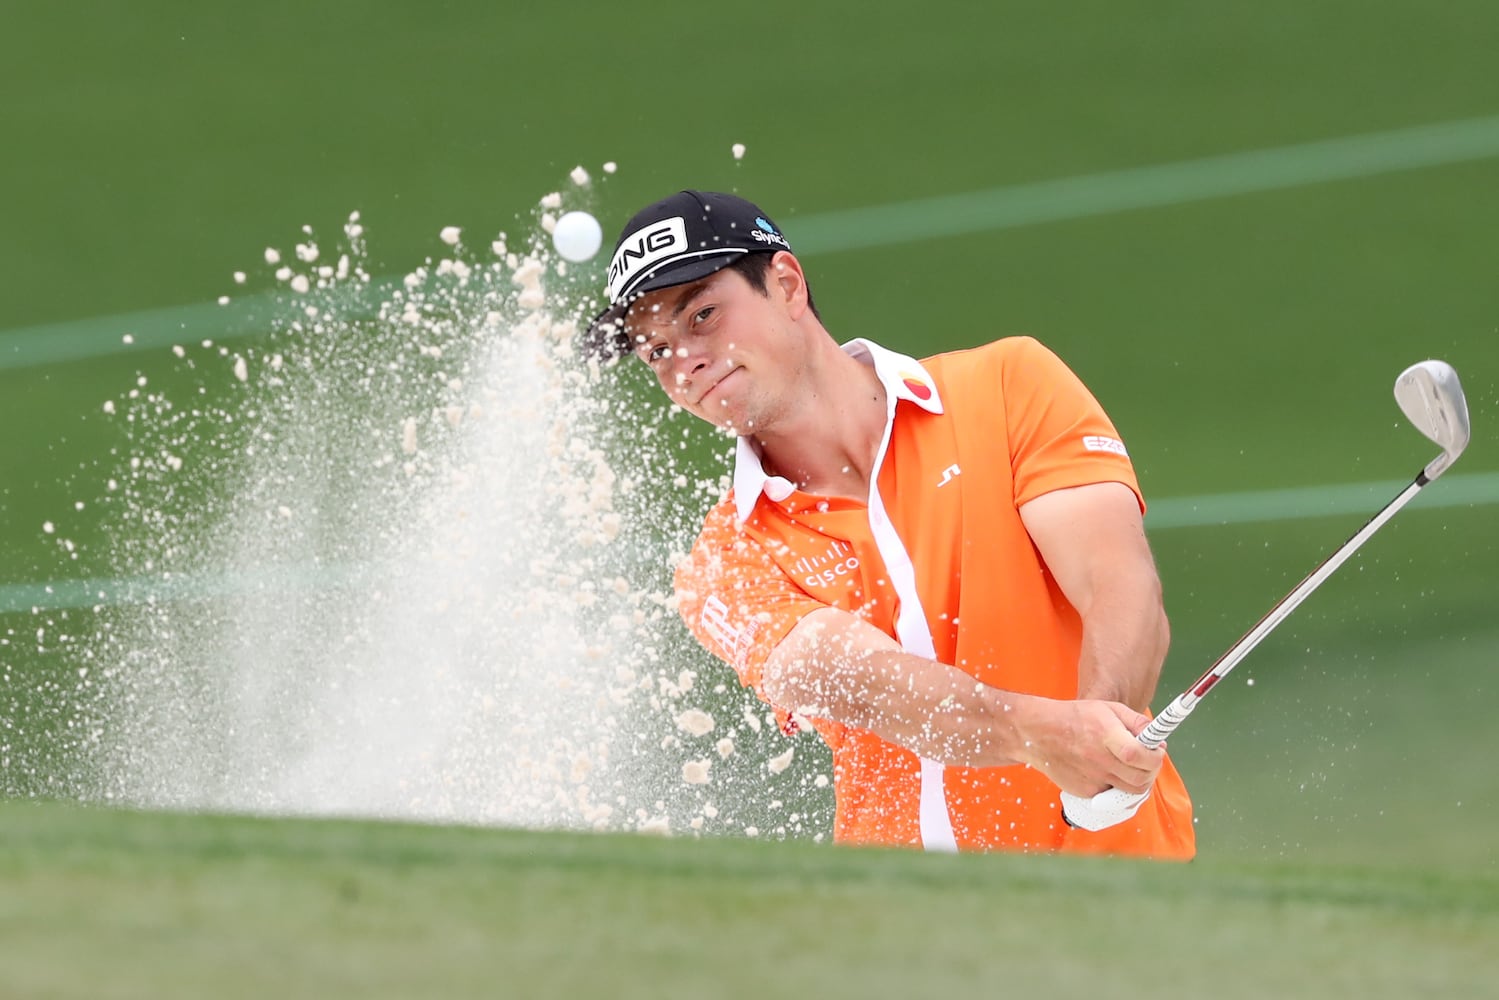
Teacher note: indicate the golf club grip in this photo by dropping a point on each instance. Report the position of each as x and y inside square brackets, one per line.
[1163, 725]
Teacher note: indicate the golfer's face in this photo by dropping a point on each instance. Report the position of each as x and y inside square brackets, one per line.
[707, 344]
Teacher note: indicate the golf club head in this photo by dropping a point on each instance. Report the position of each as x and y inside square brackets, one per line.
[1432, 398]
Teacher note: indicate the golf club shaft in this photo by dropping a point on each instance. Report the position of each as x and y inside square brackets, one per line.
[1164, 724]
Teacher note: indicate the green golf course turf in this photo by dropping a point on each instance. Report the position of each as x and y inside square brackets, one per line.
[108, 904]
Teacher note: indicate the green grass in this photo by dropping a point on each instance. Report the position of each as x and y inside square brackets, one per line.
[108, 904]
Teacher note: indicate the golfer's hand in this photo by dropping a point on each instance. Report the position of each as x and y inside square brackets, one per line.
[1085, 747]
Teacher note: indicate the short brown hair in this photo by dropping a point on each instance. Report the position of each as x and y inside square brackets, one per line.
[754, 267]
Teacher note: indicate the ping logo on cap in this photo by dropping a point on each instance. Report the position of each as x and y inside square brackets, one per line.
[642, 248]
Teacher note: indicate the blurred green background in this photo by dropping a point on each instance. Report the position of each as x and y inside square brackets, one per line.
[1242, 343]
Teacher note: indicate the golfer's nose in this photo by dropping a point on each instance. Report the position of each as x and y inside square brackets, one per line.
[686, 362]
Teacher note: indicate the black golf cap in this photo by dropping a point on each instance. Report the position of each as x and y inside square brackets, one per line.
[671, 242]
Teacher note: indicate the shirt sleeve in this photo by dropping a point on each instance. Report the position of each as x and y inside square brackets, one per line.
[1059, 435]
[735, 599]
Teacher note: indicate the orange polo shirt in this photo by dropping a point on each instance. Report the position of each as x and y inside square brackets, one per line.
[939, 559]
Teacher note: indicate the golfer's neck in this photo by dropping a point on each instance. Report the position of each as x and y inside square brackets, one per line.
[828, 442]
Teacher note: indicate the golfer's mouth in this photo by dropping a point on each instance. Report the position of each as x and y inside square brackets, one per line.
[715, 386]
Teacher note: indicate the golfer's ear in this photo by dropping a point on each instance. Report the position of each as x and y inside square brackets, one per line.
[786, 273]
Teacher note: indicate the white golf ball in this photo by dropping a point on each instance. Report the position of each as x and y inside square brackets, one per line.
[577, 236]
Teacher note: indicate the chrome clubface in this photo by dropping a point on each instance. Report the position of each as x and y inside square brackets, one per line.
[1432, 398]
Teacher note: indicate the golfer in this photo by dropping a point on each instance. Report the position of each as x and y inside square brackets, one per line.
[940, 565]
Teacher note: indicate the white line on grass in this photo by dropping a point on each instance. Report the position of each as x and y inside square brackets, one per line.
[1299, 503]
[1249, 172]
[1221, 509]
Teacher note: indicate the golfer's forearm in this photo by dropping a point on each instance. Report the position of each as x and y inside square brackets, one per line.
[930, 708]
[1125, 638]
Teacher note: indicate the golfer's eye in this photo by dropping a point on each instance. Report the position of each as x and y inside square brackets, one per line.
[701, 316]
[656, 352]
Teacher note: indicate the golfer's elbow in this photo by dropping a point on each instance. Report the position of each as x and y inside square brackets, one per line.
[1153, 644]
[810, 684]
[1159, 628]
[776, 684]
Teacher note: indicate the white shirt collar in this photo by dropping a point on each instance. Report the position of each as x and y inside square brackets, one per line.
[903, 378]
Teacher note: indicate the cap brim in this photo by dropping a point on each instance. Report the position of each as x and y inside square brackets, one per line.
[606, 336]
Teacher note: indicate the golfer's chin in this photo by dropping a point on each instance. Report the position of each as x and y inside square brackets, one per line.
[730, 426]
[730, 419]
[734, 420]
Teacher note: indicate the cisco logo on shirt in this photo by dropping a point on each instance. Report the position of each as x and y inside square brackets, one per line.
[834, 565]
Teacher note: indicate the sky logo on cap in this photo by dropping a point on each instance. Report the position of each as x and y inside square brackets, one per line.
[641, 249]
[767, 233]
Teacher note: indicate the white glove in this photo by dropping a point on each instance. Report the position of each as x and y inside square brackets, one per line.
[1109, 807]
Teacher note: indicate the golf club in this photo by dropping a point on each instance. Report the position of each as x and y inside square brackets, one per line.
[1431, 397]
